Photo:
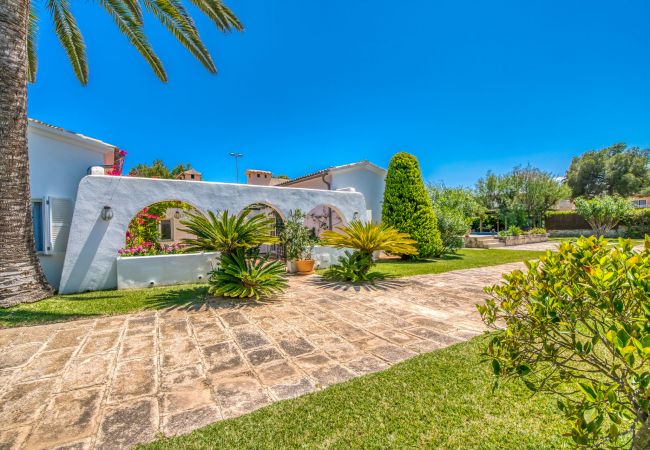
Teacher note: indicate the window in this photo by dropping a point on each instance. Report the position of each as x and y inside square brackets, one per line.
[37, 223]
[640, 203]
[165, 230]
[192, 176]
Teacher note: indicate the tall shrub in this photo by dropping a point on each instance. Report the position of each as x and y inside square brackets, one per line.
[603, 213]
[407, 206]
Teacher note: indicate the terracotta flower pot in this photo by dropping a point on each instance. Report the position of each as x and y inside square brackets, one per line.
[305, 266]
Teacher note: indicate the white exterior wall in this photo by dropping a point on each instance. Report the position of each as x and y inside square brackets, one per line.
[91, 257]
[162, 270]
[368, 182]
[56, 166]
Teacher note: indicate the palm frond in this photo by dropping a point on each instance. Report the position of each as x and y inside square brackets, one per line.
[32, 61]
[135, 34]
[175, 18]
[369, 237]
[227, 232]
[70, 37]
[135, 10]
[220, 14]
[241, 277]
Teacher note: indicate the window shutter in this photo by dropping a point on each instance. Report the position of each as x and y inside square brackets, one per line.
[60, 218]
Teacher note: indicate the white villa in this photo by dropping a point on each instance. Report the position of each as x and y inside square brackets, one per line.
[81, 215]
[58, 160]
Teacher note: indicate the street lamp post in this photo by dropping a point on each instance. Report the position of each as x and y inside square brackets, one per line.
[236, 156]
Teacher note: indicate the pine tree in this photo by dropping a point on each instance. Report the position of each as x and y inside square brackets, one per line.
[407, 206]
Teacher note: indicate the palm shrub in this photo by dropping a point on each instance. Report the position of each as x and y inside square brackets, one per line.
[241, 272]
[407, 206]
[576, 324]
[227, 232]
[365, 238]
[241, 276]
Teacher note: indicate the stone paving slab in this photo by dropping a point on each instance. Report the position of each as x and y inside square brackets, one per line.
[117, 381]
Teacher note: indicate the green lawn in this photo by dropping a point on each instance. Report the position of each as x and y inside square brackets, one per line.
[442, 399]
[67, 307]
[465, 259]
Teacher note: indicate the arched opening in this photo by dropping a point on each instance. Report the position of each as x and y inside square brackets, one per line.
[273, 250]
[157, 230]
[323, 217]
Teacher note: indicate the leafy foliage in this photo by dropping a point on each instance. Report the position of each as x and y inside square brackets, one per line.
[226, 232]
[242, 276]
[577, 324]
[615, 170]
[353, 267]
[158, 169]
[128, 17]
[455, 209]
[368, 237]
[296, 238]
[143, 232]
[407, 206]
[522, 196]
[603, 213]
[365, 238]
[512, 230]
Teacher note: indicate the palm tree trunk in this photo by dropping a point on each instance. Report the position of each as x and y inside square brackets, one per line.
[21, 277]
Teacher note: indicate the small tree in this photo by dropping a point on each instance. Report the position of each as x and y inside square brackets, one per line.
[603, 213]
[577, 325]
[455, 209]
[407, 206]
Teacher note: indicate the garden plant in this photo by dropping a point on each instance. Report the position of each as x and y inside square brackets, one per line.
[296, 238]
[365, 238]
[603, 213]
[407, 206]
[242, 272]
[576, 324]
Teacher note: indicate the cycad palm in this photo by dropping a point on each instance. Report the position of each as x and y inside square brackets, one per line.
[129, 18]
[226, 232]
[20, 270]
[369, 237]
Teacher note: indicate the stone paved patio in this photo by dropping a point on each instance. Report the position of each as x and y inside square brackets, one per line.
[116, 381]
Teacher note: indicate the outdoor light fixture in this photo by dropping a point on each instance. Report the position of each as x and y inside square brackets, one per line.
[355, 216]
[107, 213]
[177, 214]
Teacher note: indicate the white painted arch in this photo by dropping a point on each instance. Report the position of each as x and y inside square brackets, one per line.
[90, 260]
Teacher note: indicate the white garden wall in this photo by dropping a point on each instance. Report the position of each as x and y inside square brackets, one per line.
[163, 270]
[91, 257]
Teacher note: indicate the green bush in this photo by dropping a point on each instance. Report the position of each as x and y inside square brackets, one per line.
[603, 213]
[365, 238]
[577, 324]
[296, 238]
[512, 230]
[536, 230]
[242, 275]
[407, 206]
[637, 223]
[353, 267]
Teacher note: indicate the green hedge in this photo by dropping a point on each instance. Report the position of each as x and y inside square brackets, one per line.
[637, 223]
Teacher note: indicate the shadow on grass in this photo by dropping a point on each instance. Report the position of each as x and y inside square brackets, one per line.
[105, 303]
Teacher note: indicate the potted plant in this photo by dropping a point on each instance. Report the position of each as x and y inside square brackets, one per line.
[298, 242]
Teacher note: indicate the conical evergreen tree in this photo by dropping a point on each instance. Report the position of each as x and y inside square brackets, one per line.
[407, 206]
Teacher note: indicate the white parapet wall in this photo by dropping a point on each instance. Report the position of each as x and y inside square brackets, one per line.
[91, 257]
[163, 270]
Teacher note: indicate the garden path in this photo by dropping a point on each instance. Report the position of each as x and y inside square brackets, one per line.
[113, 382]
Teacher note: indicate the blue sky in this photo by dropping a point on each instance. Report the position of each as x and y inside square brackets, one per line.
[466, 86]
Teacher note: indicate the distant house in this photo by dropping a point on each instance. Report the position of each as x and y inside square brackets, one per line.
[365, 177]
[58, 160]
[190, 175]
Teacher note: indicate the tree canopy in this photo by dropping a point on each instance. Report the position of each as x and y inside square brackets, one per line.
[615, 170]
[158, 169]
[521, 196]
